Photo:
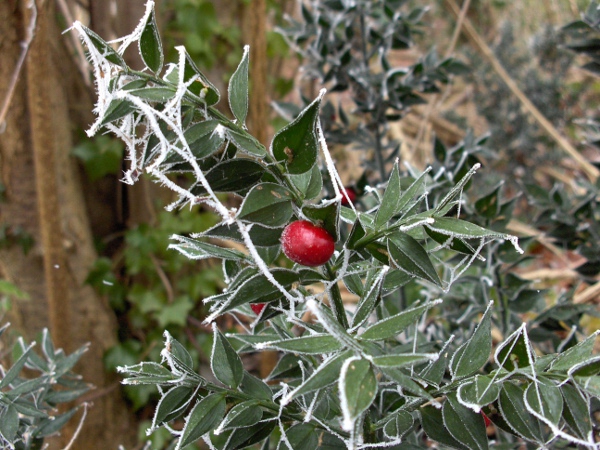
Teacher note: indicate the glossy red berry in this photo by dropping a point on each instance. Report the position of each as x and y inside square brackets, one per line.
[307, 244]
[257, 307]
[351, 193]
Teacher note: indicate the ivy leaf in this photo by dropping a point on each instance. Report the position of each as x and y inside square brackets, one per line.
[205, 416]
[357, 389]
[225, 363]
[296, 145]
[473, 354]
[150, 45]
[409, 256]
[238, 89]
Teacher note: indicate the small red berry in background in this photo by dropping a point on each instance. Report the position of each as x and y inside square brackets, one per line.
[352, 195]
[257, 307]
[307, 244]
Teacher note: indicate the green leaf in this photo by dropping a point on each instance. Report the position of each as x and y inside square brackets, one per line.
[225, 363]
[574, 355]
[12, 373]
[245, 437]
[117, 108]
[268, 204]
[326, 216]
[407, 359]
[315, 344]
[405, 201]
[432, 423]
[480, 392]
[514, 412]
[238, 89]
[435, 371]
[466, 426]
[146, 373]
[357, 389]
[255, 387]
[194, 249]
[51, 425]
[309, 183]
[232, 175]
[204, 417]
[398, 425]
[172, 404]
[390, 203]
[242, 415]
[246, 143]
[9, 423]
[448, 201]
[104, 48]
[576, 412]
[303, 436]
[590, 384]
[406, 383]
[369, 300]
[154, 94]
[462, 229]
[544, 400]
[260, 236]
[587, 368]
[409, 256]
[326, 374]
[202, 87]
[515, 352]
[296, 145]
[177, 352]
[473, 354]
[150, 45]
[391, 326]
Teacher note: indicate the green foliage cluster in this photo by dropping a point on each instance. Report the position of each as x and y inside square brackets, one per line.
[414, 361]
[31, 391]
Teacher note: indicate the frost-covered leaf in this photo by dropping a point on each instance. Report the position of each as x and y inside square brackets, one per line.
[405, 202]
[574, 355]
[398, 425]
[246, 143]
[462, 229]
[515, 351]
[390, 202]
[435, 371]
[410, 256]
[391, 326]
[303, 436]
[296, 145]
[51, 425]
[260, 236]
[15, 369]
[150, 45]
[253, 386]
[9, 423]
[403, 360]
[357, 389]
[473, 354]
[446, 203]
[315, 344]
[482, 391]
[465, 425]
[310, 183]
[242, 415]
[172, 404]
[204, 417]
[202, 87]
[369, 300]
[514, 412]
[238, 89]
[232, 175]
[544, 400]
[109, 53]
[326, 216]
[586, 368]
[268, 204]
[194, 249]
[146, 373]
[432, 422]
[576, 412]
[225, 363]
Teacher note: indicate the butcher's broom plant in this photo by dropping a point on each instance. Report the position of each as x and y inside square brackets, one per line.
[359, 374]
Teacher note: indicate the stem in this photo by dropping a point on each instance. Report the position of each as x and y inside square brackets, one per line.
[337, 305]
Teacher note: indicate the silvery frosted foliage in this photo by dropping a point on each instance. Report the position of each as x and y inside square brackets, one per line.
[33, 389]
[348, 377]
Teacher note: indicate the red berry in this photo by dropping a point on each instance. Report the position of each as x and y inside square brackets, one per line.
[307, 244]
[351, 193]
[257, 307]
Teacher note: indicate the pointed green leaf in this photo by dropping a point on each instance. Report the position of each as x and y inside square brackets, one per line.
[446, 203]
[202, 87]
[268, 204]
[257, 388]
[238, 89]
[399, 424]
[390, 327]
[315, 344]
[473, 354]
[480, 392]
[390, 203]
[405, 201]
[9, 423]
[515, 352]
[117, 108]
[369, 300]
[296, 145]
[357, 389]
[204, 417]
[435, 371]
[432, 422]
[261, 236]
[544, 400]
[109, 53]
[406, 383]
[407, 359]
[246, 143]
[576, 412]
[450, 226]
[308, 183]
[465, 425]
[574, 355]
[51, 425]
[194, 249]
[15, 369]
[225, 363]
[172, 404]
[408, 255]
[242, 415]
[232, 175]
[326, 216]
[154, 94]
[515, 413]
[150, 45]
[303, 436]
